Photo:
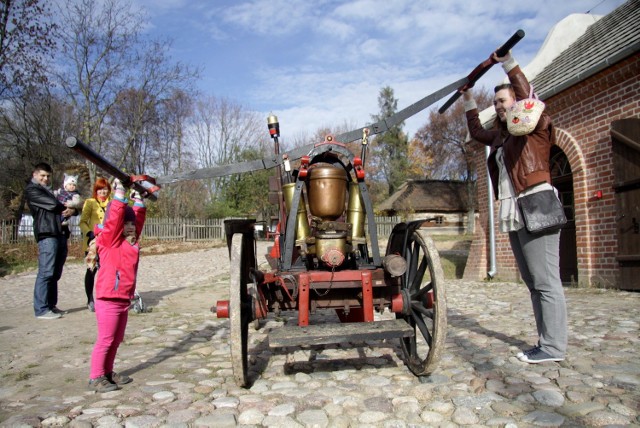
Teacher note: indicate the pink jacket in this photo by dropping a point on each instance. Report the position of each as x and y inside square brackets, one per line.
[116, 277]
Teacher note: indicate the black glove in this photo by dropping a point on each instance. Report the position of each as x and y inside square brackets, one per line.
[90, 235]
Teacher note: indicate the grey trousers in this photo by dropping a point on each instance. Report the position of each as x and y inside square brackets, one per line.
[538, 258]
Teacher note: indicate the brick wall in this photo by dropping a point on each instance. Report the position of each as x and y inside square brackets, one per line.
[582, 115]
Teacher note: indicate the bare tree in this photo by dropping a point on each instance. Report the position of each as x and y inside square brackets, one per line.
[221, 131]
[31, 130]
[116, 80]
[174, 155]
[97, 54]
[174, 114]
[138, 108]
[27, 40]
[444, 142]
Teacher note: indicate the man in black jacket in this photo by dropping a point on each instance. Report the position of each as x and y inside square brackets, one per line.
[52, 240]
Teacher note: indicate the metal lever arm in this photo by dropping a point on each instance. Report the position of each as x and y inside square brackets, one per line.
[482, 68]
[143, 184]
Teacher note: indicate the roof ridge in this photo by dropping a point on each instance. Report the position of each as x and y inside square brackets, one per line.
[603, 40]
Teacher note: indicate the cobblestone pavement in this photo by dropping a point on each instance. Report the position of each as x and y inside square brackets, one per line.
[178, 355]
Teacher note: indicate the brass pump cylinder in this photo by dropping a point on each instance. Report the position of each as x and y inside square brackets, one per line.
[327, 191]
[302, 225]
[355, 211]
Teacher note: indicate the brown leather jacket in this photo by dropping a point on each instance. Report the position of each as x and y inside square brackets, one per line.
[526, 157]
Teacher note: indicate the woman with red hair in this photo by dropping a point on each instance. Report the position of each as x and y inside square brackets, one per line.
[92, 215]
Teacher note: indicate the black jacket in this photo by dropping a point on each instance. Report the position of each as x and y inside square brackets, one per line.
[45, 209]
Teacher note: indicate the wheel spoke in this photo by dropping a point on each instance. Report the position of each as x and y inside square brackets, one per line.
[412, 259]
[419, 307]
[417, 279]
[422, 326]
[428, 316]
[419, 294]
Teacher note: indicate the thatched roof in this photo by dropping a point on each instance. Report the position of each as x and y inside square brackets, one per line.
[443, 196]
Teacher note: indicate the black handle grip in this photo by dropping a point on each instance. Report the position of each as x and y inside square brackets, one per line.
[513, 40]
[481, 69]
[449, 102]
[102, 163]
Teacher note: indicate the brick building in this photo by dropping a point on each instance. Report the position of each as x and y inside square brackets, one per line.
[592, 92]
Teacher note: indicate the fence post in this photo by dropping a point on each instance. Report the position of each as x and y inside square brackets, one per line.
[184, 231]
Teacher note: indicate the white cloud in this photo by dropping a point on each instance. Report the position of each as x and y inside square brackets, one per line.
[323, 62]
[334, 28]
[269, 17]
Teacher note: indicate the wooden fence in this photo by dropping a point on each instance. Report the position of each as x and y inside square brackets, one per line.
[167, 229]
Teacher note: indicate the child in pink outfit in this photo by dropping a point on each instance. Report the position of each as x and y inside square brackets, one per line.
[118, 251]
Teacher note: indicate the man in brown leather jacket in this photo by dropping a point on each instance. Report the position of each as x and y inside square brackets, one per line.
[519, 165]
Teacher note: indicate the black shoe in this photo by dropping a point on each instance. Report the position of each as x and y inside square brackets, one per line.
[55, 310]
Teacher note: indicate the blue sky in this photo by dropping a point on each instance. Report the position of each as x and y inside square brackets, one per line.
[322, 62]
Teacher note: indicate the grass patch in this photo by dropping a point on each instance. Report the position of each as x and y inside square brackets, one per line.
[18, 258]
[23, 256]
[453, 265]
[23, 375]
[453, 253]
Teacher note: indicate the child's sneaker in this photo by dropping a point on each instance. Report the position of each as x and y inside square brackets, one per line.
[118, 379]
[102, 384]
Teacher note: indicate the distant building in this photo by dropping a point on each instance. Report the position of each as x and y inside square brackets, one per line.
[444, 203]
[588, 74]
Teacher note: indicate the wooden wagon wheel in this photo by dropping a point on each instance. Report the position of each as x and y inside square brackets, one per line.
[240, 305]
[423, 286]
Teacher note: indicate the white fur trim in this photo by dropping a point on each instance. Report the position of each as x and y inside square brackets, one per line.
[470, 105]
[509, 65]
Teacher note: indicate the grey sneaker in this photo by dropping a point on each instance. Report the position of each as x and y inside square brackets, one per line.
[539, 356]
[49, 316]
[91, 306]
[55, 310]
[119, 379]
[527, 352]
[102, 384]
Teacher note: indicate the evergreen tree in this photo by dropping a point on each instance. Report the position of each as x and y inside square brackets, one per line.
[390, 150]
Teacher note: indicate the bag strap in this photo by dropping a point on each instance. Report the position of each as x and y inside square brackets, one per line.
[531, 94]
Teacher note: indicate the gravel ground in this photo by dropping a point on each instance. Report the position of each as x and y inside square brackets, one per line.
[178, 355]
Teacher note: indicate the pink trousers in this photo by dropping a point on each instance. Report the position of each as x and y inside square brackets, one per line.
[111, 317]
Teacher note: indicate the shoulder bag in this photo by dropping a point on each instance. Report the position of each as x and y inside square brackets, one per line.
[542, 212]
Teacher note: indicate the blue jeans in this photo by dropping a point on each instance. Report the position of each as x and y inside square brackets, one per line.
[538, 258]
[52, 253]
